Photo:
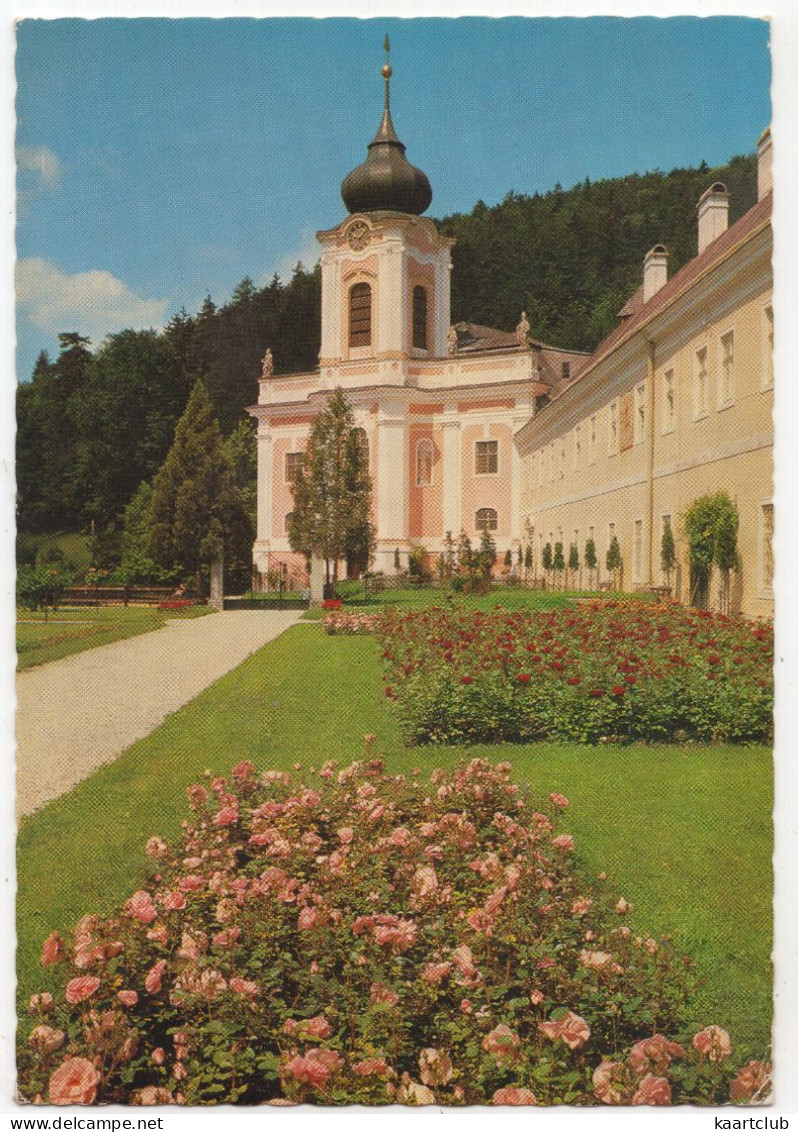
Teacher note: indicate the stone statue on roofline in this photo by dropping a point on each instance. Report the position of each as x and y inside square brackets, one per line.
[522, 332]
[451, 342]
[268, 364]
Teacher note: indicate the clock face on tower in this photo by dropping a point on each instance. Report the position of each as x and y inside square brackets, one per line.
[358, 235]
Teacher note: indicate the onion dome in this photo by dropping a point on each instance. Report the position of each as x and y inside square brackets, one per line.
[386, 181]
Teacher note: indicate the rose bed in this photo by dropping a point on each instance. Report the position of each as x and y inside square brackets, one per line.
[364, 938]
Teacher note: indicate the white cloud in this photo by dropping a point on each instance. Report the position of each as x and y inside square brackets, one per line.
[40, 161]
[95, 303]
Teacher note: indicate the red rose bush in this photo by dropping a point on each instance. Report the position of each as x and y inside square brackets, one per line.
[358, 937]
[602, 670]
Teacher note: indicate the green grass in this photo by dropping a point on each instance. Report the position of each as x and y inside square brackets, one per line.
[421, 597]
[73, 630]
[684, 832]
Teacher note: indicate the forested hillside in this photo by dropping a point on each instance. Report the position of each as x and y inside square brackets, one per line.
[92, 425]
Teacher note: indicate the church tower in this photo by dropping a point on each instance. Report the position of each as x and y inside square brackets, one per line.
[385, 269]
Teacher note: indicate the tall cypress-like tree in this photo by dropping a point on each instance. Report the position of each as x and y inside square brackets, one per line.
[196, 509]
[332, 492]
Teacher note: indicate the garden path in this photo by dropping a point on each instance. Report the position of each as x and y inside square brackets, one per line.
[76, 714]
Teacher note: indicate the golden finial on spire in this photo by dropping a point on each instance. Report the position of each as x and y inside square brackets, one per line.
[386, 70]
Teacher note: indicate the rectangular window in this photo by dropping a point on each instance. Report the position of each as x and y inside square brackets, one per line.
[668, 402]
[487, 457]
[700, 384]
[638, 551]
[726, 391]
[640, 413]
[577, 447]
[566, 371]
[293, 462]
[360, 315]
[767, 546]
[593, 434]
[612, 437]
[419, 318]
[767, 361]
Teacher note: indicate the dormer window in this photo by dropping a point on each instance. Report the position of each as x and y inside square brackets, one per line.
[419, 318]
[566, 371]
[360, 315]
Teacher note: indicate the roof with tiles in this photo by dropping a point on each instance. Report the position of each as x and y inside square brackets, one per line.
[636, 313]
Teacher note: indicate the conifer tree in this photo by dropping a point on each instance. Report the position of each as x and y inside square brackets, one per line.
[667, 551]
[196, 510]
[332, 492]
[486, 554]
[591, 560]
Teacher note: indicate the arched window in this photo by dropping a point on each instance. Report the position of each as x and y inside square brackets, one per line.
[419, 318]
[360, 315]
[424, 456]
[486, 519]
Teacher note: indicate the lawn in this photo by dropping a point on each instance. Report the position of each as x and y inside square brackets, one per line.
[424, 597]
[685, 832]
[72, 630]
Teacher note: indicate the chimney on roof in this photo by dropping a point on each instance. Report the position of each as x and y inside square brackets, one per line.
[655, 271]
[713, 215]
[764, 172]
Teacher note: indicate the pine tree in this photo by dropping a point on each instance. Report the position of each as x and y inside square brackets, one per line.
[196, 510]
[614, 560]
[528, 562]
[547, 557]
[332, 492]
[465, 555]
[591, 560]
[486, 555]
[573, 561]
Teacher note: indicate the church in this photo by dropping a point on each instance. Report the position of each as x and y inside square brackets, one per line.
[469, 428]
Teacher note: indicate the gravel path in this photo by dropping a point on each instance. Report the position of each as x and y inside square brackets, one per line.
[75, 714]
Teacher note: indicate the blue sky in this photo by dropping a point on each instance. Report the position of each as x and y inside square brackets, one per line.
[159, 160]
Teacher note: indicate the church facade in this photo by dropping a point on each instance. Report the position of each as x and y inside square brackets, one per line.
[469, 428]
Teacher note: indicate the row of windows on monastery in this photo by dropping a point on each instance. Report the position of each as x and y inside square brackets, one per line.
[360, 308]
[486, 460]
[552, 462]
[765, 542]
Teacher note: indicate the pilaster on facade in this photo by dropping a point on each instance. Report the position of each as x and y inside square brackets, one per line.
[264, 515]
[392, 476]
[451, 444]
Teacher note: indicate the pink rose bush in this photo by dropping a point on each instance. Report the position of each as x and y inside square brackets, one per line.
[603, 670]
[349, 624]
[360, 937]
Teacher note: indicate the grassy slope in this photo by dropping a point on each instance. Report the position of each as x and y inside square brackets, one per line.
[73, 630]
[684, 832]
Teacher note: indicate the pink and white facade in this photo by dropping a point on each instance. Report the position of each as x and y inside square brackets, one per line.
[440, 406]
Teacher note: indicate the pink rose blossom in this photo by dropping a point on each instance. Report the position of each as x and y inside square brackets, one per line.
[503, 1044]
[158, 934]
[435, 973]
[315, 1068]
[141, 907]
[74, 1082]
[41, 1003]
[78, 990]
[173, 901]
[381, 993]
[559, 800]
[510, 1095]
[435, 1067]
[346, 835]
[653, 1090]
[152, 984]
[653, 1055]
[571, 1029]
[713, 1042]
[152, 1094]
[753, 1080]
[623, 907]
[158, 1056]
[45, 1039]
[317, 1027]
[226, 816]
[372, 1067]
[156, 847]
[605, 1082]
[536, 997]
[564, 841]
[191, 883]
[309, 918]
[127, 997]
[52, 949]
